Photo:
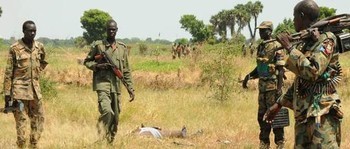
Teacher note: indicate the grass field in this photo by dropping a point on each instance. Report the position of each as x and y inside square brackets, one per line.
[167, 95]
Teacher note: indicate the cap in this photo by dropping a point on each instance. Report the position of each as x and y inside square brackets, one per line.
[265, 24]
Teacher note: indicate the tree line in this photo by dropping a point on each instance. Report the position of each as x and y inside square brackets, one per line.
[234, 20]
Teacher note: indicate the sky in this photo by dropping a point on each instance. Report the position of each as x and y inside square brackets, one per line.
[157, 19]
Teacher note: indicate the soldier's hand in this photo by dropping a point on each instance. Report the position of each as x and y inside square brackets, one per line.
[285, 40]
[245, 81]
[102, 66]
[271, 113]
[132, 95]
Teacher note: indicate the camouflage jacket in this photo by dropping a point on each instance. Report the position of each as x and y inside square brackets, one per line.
[21, 80]
[105, 79]
[317, 71]
[267, 60]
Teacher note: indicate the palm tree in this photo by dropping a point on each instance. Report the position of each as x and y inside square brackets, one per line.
[219, 22]
[254, 10]
[231, 21]
[242, 17]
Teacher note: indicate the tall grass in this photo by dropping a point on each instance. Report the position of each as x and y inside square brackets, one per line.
[71, 115]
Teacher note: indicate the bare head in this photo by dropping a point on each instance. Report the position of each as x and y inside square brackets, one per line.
[305, 14]
[111, 28]
[29, 30]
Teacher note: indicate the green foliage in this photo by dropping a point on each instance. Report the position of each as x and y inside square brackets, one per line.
[143, 48]
[327, 12]
[0, 11]
[218, 74]
[182, 41]
[286, 26]
[199, 31]
[94, 22]
[157, 66]
[47, 88]
[80, 42]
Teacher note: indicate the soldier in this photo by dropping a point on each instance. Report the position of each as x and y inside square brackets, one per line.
[244, 50]
[105, 82]
[173, 48]
[312, 96]
[252, 49]
[25, 62]
[270, 62]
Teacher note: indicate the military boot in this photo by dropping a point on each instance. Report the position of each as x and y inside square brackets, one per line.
[280, 144]
[264, 145]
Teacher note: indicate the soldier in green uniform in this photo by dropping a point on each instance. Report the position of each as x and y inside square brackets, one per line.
[105, 82]
[25, 62]
[270, 62]
[313, 97]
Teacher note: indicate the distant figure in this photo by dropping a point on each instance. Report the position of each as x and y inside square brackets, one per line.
[105, 82]
[173, 50]
[179, 50]
[252, 49]
[187, 50]
[25, 62]
[244, 50]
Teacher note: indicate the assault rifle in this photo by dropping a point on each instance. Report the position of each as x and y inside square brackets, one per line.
[335, 24]
[116, 71]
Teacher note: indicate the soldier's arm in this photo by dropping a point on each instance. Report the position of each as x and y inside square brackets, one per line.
[89, 61]
[9, 73]
[254, 74]
[280, 62]
[312, 68]
[286, 100]
[127, 70]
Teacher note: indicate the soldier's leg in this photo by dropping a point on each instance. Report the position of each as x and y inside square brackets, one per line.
[36, 115]
[20, 120]
[326, 136]
[116, 109]
[303, 135]
[271, 97]
[265, 128]
[106, 113]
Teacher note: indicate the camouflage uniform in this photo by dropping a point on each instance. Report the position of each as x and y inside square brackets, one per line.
[21, 82]
[268, 58]
[107, 85]
[312, 96]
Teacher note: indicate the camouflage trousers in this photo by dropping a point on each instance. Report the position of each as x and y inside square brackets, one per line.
[34, 110]
[328, 135]
[108, 106]
[265, 101]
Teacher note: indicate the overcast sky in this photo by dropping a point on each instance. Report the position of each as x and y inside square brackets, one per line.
[135, 18]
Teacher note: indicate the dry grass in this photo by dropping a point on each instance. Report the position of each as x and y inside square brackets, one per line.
[70, 118]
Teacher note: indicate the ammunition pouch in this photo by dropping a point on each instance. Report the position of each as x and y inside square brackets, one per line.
[281, 119]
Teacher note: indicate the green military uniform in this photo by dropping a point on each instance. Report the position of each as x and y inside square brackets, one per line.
[107, 85]
[268, 59]
[21, 82]
[313, 97]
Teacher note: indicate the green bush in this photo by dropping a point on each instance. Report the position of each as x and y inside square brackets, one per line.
[143, 48]
[217, 73]
[47, 88]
